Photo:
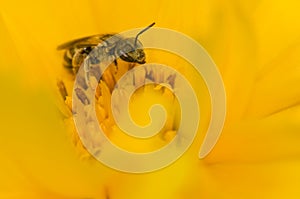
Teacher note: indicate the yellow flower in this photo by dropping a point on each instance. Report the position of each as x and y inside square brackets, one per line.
[255, 44]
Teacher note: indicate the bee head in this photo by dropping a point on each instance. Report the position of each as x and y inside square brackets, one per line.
[131, 52]
[131, 49]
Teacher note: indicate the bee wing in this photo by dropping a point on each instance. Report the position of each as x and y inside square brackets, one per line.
[93, 40]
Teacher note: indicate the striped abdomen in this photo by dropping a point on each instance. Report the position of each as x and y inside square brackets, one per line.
[74, 57]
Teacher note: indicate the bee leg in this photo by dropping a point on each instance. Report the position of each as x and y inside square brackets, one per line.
[87, 78]
[116, 64]
[86, 65]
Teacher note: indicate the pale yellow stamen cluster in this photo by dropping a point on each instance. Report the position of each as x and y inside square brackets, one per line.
[105, 117]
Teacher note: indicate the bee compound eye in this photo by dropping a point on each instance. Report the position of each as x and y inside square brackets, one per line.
[128, 48]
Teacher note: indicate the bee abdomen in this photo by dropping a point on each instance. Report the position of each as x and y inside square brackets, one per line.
[68, 58]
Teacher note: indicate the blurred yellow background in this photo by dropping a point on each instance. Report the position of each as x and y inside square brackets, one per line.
[255, 45]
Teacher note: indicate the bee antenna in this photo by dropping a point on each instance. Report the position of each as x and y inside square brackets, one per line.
[142, 31]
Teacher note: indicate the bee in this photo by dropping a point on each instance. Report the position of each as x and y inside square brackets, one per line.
[76, 51]
[93, 50]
